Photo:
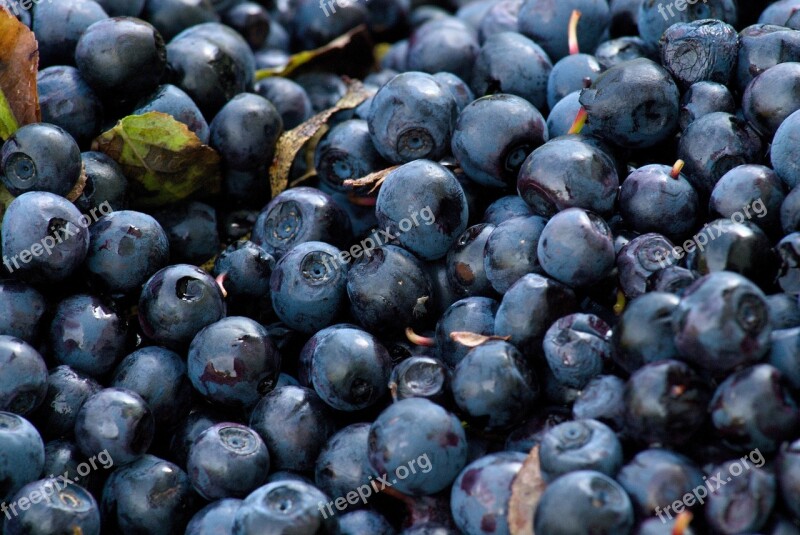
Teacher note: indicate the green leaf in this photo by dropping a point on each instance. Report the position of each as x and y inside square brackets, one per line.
[163, 158]
[8, 123]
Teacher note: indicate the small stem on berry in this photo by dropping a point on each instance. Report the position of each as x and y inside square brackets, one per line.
[579, 123]
[681, 523]
[220, 282]
[676, 169]
[419, 340]
[573, 32]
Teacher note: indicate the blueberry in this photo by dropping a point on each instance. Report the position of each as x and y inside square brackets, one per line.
[424, 207]
[649, 113]
[346, 152]
[251, 20]
[174, 101]
[233, 362]
[638, 260]
[530, 433]
[568, 172]
[445, 44]
[703, 98]
[783, 150]
[602, 399]
[471, 314]
[121, 56]
[498, 17]
[22, 310]
[171, 17]
[654, 19]
[21, 454]
[411, 430]
[571, 73]
[299, 215]
[106, 185]
[771, 97]
[576, 248]
[191, 228]
[622, 49]
[562, 115]
[316, 25]
[665, 402]
[762, 46]
[359, 522]
[40, 157]
[753, 493]
[480, 493]
[420, 377]
[66, 392]
[88, 335]
[349, 369]
[178, 301]
[458, 87]
[324, 89]
[117, 421]
[227, 460]
[722, 322]
[465, 262]
[583, 502]
[148, 495]
[190, 427]
[511, 251]
[62, 511]
[784, 310]
[286, 507]
[216, 517]
[245, 132]
[288, 97]
[511, 63]
[644, 332]
[790, 212]
[494, 135]
[343, 465]
[386, 308]
[741, 405]
[700, 51]
[672, 279]
[580, 445]
[546, 23]
[158, 375]
[59, 26]
[67, 101]
[787, 470]
[576, 347]
[494, 385]
[125, 249]
[789, 250]
[749, 187]
[295, 425]
[246, 269]
[412, 117]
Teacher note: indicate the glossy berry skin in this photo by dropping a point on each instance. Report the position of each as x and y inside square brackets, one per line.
[579, 445]
[621, 49]
[412, 117]
[703, 98]
[562, 115]
[130, 504]
[105, 182]
[762, 46]
[324, 89]
[342, 464]
[576, 248]
[529, 308]
[444, 45]
[171, 17]
[233, 362]
[349, 369]
[21, 453]
[247, 269]
[784, 151]
[227, 460]
[22, 309]
[158, 375]
[295, 425]
[639, 259]
[174, 101]
[288, 97]
[650, 112]
[511, 251]
[88, 335]
[346, 152]
[656, 477]
[413, 429]
[547, 22]
[771, 97]
[644, 331]
[652, 23]
[665, 402]
[753, 492]
[576, 347]
[784, 308]
[789, 250]
[471, 314]
[300, 215]
[713, 145]
[189, 428]
[286, 507]
[23, 383]
[568, 172]
[308, 286]
[700, 51]
[787, 470]
[481, 490]
[420, 377]
[506, 208]
[569, 74]
[494, 385]
[494, 135]
[67, 101]
[121, 56]
[790, 211]
[582, 503]
[465, 262]
[115, 420]
[192, 231]
[388, 289]
[216, 517]
[650, 190]
[245, 132]
[513, 64]
[314, 27]
[744, 186]
[364, 522]
[40, 157]
[741, 404]
[62, 511]
[423, 205]
[722, 322]
[251, 20]
[178, 301]
[66, 392]
[602, 399]
[125, 249]
[458, 87]
[60, 25]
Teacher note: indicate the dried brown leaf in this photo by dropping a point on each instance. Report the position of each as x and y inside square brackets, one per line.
[526, 491]
[466, 338]
[19, 64]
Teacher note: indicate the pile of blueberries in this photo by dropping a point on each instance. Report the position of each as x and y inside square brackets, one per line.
[580, 262]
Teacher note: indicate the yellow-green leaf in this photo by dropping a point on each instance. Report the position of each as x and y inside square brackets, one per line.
[163, 158]
[8, 123]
